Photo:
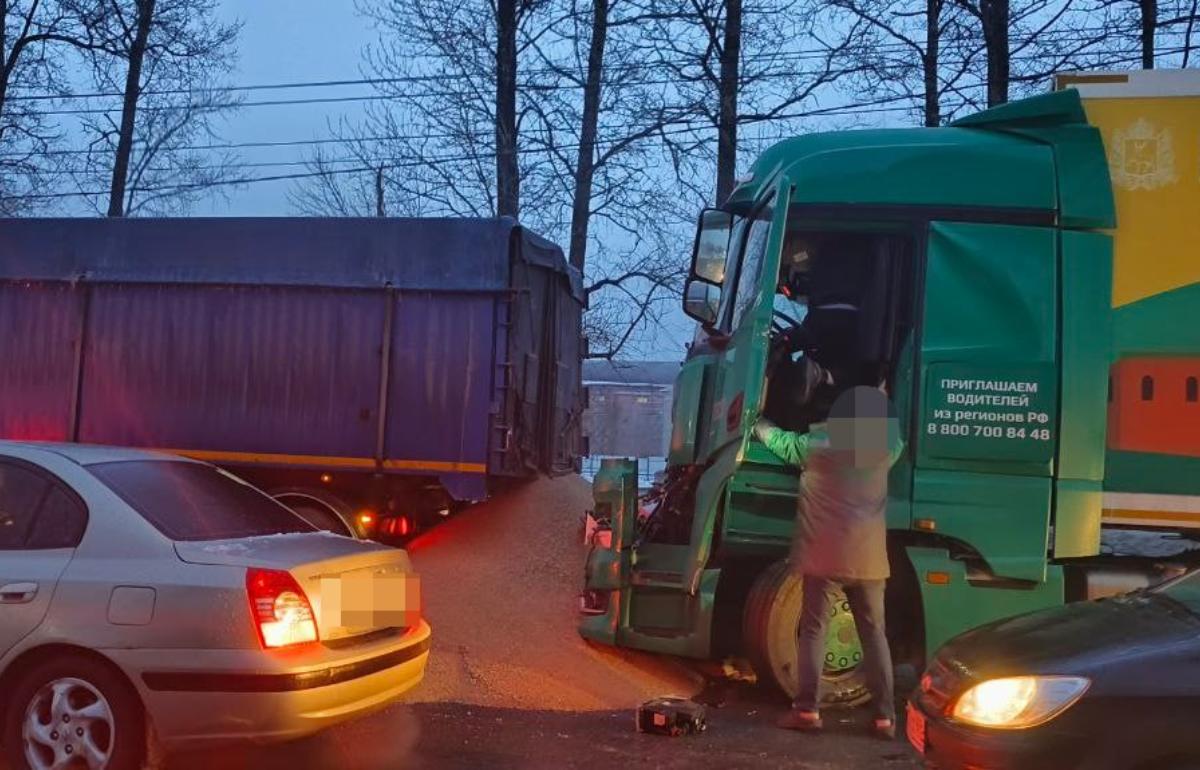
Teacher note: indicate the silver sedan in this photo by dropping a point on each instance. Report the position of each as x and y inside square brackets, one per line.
[152, 603]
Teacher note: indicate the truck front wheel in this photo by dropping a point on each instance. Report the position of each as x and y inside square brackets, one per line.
[770, 625]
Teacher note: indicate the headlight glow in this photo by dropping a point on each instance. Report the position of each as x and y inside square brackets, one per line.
[1018, 702]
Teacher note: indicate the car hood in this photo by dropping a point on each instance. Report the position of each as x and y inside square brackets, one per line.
[1079, 638]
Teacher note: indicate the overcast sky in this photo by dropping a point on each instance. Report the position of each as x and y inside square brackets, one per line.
[286, 41]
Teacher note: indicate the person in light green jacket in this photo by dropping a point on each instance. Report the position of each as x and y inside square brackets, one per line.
[840, 539]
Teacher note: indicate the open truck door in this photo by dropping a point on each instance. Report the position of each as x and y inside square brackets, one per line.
[654, 598]
[744, 323]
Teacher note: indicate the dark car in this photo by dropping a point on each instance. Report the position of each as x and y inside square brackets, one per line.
[1112, 683]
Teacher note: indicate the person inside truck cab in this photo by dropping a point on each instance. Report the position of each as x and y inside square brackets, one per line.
[812, 272]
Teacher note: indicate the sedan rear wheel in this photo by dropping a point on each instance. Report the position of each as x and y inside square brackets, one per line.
[72, 714]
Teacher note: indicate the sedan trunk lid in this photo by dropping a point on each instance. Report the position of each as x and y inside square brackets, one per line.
[355, 587]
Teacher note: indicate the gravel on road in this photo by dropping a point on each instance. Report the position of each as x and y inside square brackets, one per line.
[500, 585]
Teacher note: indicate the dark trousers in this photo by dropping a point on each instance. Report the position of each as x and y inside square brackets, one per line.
[866, 603]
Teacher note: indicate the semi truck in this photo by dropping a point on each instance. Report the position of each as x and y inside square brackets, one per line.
[1026, 281]
[373, 374]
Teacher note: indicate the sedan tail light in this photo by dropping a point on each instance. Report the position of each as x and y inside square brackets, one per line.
[280, 609]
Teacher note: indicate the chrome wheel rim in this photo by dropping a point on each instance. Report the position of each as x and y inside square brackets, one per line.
[68, 725]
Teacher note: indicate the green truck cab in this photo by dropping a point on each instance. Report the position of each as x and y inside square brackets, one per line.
[979, 261]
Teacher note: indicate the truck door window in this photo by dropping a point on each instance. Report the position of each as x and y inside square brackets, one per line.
[728, 289]
[751, 270]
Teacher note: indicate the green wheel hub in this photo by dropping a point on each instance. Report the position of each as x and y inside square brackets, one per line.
[843, 651]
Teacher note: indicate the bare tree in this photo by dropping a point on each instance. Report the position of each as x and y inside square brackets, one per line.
[1148, 11]
[35, 37]
[994, 18]
[508, 173]
[1188, 22]
[585, 165]
[349, 183]
[728, 86]
[916, 50]
[1163, 29]
[601, 114]
[631, 300]
[1023, 44]
[165, 58]
[742, 64]
[607, 136]
[454, 117]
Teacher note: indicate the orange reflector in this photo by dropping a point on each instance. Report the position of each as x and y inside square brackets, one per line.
[326, 478]
[937, 578]
[929, 525]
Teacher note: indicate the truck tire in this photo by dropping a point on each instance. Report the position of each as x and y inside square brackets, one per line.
[770, 624]
[321, 508]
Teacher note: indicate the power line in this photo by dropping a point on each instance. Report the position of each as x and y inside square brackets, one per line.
[436, 78]
[1131, 57]
[800, 55]
[454, 93]
[417, 162]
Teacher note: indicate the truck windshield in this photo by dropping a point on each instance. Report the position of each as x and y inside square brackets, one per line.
[1185, 590]
[193, 501]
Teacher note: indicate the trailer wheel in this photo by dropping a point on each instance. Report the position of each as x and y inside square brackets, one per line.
[320, 508]
[770, 625]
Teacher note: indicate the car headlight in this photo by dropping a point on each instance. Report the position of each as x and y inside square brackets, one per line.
[1017, 702]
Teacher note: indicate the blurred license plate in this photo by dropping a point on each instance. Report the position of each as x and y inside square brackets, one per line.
[366, 600]
[915, 729]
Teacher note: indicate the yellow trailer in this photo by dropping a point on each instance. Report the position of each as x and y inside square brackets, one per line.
[1150, 123]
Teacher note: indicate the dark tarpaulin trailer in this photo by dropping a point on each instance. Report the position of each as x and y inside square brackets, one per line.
[443, 348]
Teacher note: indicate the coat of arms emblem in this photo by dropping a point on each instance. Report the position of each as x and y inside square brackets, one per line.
[1142, 157]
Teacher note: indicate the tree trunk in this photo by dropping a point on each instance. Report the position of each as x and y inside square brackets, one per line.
[133, 88]
[585, 164]
[12, 55]
[10, 60]
[1187, 39]
[933, 33]
[1149, 14]
[508, 183]
[728, 118]
[995, 38]
[380, 207]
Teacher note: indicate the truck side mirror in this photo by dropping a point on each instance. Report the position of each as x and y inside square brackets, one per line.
[701, 301]
[711, 246]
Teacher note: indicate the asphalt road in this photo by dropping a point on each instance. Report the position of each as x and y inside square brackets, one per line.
[433, 736]
[455, 736]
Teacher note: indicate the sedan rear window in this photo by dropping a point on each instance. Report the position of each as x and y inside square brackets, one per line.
[192, 501]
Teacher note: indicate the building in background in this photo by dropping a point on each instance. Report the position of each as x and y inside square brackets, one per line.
[628, 413]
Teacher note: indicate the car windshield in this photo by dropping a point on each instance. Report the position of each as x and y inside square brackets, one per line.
[193, 501]
[1185, 590]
